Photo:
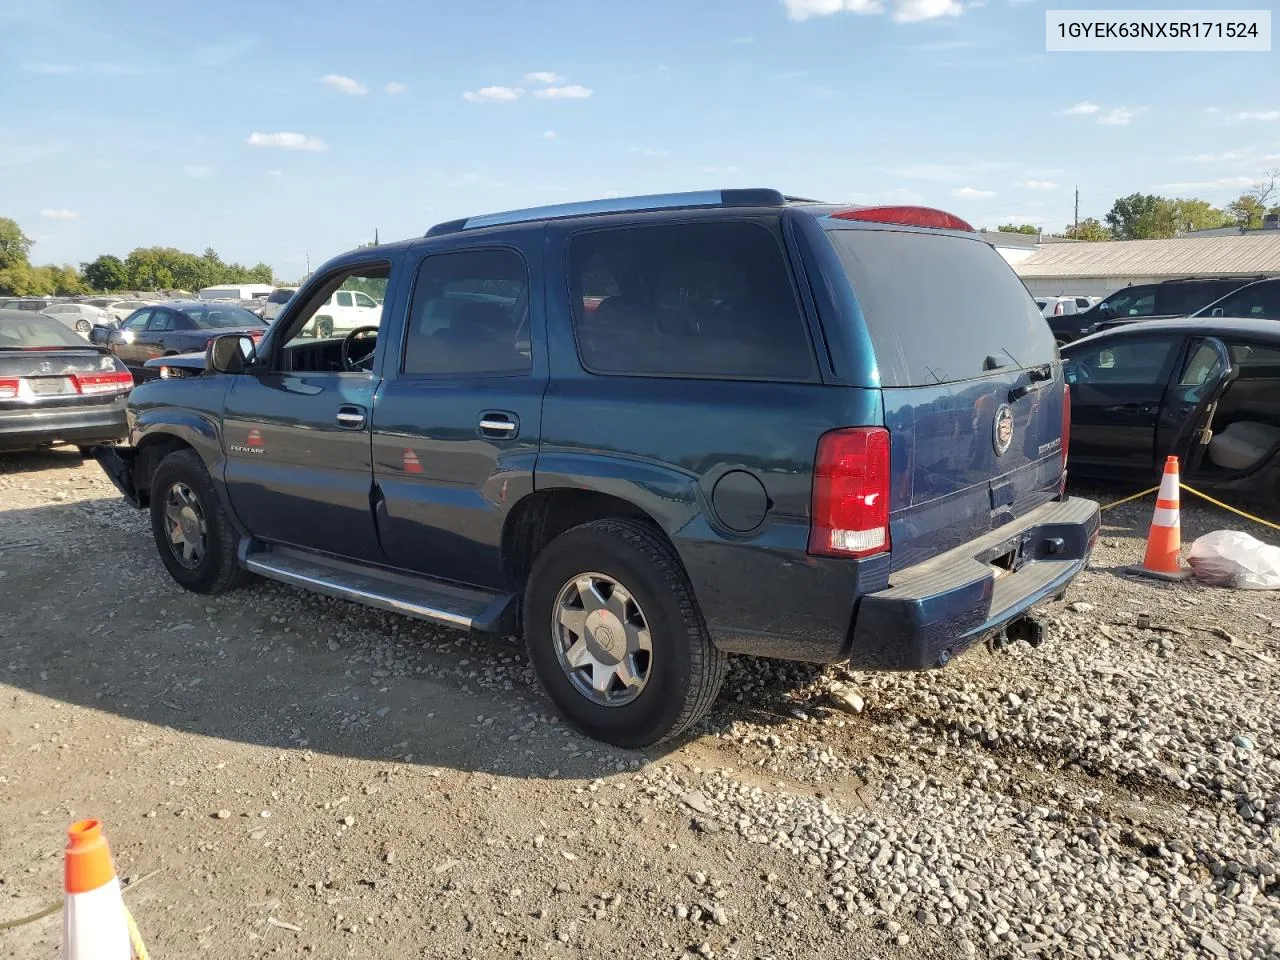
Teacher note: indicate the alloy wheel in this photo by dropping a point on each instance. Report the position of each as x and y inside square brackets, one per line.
[602, 639]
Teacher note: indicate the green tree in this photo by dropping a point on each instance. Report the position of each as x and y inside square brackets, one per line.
[261, 273]
[14, 244]
[107, 273]
[1023, 228]
[1134, 217]
[1088, 229]
[1178, 216]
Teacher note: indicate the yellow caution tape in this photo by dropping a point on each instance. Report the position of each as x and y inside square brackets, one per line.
[1202, 496]
[1219, 503]
[135, 938]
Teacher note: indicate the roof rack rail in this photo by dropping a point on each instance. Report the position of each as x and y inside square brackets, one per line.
[660, 201]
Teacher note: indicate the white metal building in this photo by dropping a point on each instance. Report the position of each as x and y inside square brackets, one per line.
[1097, 269]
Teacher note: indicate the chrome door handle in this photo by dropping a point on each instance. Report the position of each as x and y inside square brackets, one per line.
[495, 427]
[350, 418]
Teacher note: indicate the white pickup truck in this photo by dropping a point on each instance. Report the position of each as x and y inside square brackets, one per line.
[343, 312]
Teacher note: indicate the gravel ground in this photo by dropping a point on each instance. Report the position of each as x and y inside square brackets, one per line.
[297, 776]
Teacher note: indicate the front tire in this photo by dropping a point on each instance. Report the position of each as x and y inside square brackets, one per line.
[324, 328]
[194, 535]
[84, 327]
[616, 637]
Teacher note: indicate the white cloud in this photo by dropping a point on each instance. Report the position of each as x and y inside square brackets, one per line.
[1256, 115]
[494, 95]
[542, 76]
[571, 92]
[1228, 156]
[1221, 183]
[197, 172]
[549, 134]
[1081, 109]
[912, 11]
[105, 69]
[394, 87]
[1040, 185]
[59, 214]
[1212, 109]
[944, 173]
[972, 193]
[1116, 117]
[903, 11]
[275, 173]
[895, 195]
[344, 84]
[287, 141]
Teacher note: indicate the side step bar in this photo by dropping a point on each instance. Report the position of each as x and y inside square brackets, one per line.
[414, 596]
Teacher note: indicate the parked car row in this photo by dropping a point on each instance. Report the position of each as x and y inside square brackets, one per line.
[1145, 301]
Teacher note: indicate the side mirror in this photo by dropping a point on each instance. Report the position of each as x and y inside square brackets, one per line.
[229, 353]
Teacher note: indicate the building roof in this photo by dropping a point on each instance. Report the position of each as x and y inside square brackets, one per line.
[1001, 238]
[1230, 256]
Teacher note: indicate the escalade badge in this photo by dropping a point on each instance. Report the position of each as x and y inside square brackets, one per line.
[1002, 430]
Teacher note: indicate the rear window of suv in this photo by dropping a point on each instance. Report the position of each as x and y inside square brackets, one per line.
[709, 299]
[937, 306]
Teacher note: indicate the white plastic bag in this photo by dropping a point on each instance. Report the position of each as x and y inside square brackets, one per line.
[1229, 558]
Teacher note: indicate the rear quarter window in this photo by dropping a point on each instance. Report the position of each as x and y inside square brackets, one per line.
[707, 299]
[938, 306]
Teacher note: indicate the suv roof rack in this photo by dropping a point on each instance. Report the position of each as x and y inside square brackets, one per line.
[750, 197]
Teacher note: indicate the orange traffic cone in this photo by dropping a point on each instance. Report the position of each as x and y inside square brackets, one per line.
[95, 924]
[1164, 541]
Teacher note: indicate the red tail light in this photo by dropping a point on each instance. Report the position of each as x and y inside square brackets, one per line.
[851, 493]
[1057, 309]
[9, 389]
[118, 381]
[906, 216]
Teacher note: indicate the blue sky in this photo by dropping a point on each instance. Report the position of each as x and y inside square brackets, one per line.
[273, 130]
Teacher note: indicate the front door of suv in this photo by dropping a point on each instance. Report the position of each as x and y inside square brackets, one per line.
[296, 430]
[457, 426]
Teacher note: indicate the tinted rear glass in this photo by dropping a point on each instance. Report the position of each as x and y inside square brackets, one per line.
[37, 331]
[223, 316]
[280, 296]
[706, 299]
[938, 306]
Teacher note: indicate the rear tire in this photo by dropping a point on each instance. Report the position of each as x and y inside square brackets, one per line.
[84, 327]
[655, 694]
[195, 537]
[324, 328]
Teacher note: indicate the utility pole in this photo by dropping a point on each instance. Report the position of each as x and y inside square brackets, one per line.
[308, 263]
[1077, 219]
[375, 236]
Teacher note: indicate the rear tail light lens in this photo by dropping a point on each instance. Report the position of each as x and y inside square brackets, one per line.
[89, 384]
[9, 389]
[850, 506]
[1057, 309]
[906, 216]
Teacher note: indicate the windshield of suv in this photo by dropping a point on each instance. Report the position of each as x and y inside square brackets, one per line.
[280, 296]
[223, 316]
[938, 306]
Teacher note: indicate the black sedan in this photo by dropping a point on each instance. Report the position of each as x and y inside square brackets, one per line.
[1206, 389]
[55, 387]
[178, 326]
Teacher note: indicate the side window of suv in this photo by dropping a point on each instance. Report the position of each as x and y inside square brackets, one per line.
[709, 299]
[470, 315]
